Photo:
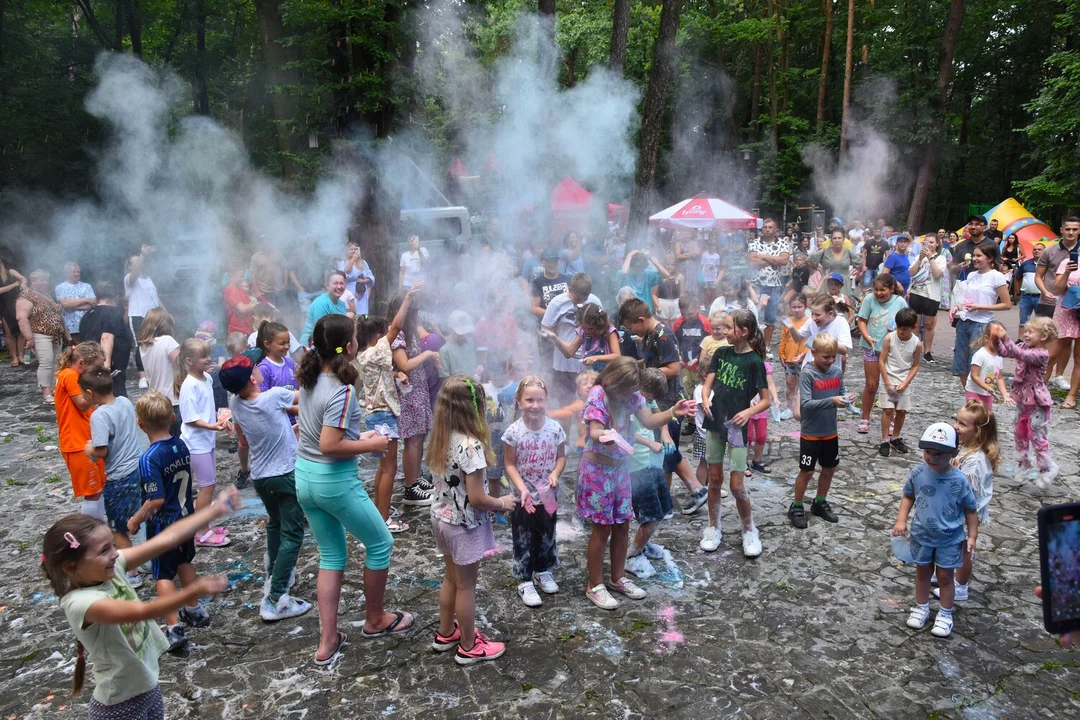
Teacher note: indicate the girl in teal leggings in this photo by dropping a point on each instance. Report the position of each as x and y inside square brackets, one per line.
[330, 491]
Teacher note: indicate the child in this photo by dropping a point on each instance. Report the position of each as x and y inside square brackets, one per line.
[1030, 392]
[73, 420]
[195, 390]
[262, 423]
[876, 314]
[114, 438]
[458, 355]
[823, 319]
[583, 384]
[690, 330]
[235, 344]
[500, 391]
[719, 324]
[534, 447]
[158, 350]
[277, 369]
[901, 357]
[596, 338]
[458, 451]
[977, 435]
[946, 503]
[604, 490]
[821, 392]
[165, 473]
[111, 625]
[986, 371]
[265, 312]
[834, 286]
[650, 495]
[792, 351]
[741, 392]
[383, 404]
[758, 428]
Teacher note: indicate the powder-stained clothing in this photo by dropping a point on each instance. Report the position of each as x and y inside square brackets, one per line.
[740, 378]
[817, 388]
[940, 504]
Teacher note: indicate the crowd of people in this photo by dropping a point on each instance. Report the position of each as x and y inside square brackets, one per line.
[492, 402]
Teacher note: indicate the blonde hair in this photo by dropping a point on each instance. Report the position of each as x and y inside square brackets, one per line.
[458, 409]
[236, 342]
[88, 352]
[158, 322]
[191, 349]
[154, 410]
[528, 381]
[715, 318]
[986, 431]
[826, 344]
[1043, 325]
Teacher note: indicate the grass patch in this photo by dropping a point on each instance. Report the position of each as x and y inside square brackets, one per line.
[526, 687]
[42, 436]
[9, 438]
[11, 481]
[782, 585]
[52, 479]
[566, 637]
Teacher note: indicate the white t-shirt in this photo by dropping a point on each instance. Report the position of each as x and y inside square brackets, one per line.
[990, 367]
[294, 344]
[141, 295]
[197, 403]
[561, 316]
[414, 271]
[838, 328]
[268, 431]
[537, 453]
[159, 368]
[981, 289]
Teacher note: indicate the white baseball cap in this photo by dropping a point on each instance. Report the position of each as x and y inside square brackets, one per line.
[939, 436]
[461, 323]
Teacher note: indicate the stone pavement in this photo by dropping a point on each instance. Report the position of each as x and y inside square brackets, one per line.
[814, 628]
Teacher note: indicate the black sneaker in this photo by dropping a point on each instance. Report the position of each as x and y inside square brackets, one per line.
[823, 510]
[929, 358]
[243, 479]
[425, 484]
[901, 446]
[198, 619]
[177, 639]
[797, 515]
[234, 445]
[416, 496]
[884, 449]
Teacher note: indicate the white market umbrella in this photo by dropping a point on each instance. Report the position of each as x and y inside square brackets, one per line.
[704, 212]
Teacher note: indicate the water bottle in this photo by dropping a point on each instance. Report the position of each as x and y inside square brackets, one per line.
[775, 412]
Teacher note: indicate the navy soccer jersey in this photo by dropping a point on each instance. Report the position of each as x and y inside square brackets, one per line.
[165, 473]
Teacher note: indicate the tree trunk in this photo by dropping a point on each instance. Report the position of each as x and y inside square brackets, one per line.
[620, 28]
[202, 96]
[276, 55]
[118, 32]
[826, 53]
[570, 62]
[755, 95]
[131, 18]
[847, 75]
[87, 11]
[2, 2]
[661, 77]
[926, 170]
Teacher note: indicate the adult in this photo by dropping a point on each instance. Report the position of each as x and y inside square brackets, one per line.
[308, 273]
[142, 297]
[571, 257]
[238, 303]
[687, 255]
[105, 325]
[1068, 328]
[11, 283]
[560, 319]
[40, 318]
[76, 298]
[413, 265]
[1029, 291]
[768, 256]
[1011, 253]
[269, 276]
[642, 273]
[1050, 261]
[963, 253]
[329, 491]
[874, 251]
[836, 257]
[985, 292]
[358, 277]
[993, 232]
[927, 276]
[329, 303]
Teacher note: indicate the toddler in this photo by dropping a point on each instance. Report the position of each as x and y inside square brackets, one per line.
[650, 495]
[898, 364]
[987, 371]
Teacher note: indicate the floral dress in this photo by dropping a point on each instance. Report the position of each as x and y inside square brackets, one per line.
[604, 491]
[415, 418]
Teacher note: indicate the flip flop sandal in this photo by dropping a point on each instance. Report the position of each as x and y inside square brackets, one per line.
[1068, 405]
[209, 539]
[392, 628]
[863, 428]
[343, 642]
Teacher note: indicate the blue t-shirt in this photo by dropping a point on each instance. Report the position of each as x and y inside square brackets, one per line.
[940, 502]
[320, 308]
[165, 473]
[900, 267]
[642, 284]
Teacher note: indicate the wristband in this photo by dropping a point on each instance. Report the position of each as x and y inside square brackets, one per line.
[673, 413]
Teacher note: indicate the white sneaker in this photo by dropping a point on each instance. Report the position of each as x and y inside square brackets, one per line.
[547, 582]
[1046, 478]
[627, 587]
[268, 577]
[143, 383]
[710, 539]
[942, 625]
[601, 598]
[961, 594]
[751, 543]
[918, 617]
[1061, 382]
[640, 566]
[135, 580]
[787, 414]
[529, 596]
[286, 607]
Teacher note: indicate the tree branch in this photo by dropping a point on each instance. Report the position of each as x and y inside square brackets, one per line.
[92, 21]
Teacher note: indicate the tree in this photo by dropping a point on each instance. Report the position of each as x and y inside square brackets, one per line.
[826, 52]
[848, 57]
[620, 28]
[280, 75]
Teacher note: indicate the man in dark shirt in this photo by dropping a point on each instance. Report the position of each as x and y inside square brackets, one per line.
[105, 325]
[962, 263]
[549, 284]
[873, 254]
[993, 233]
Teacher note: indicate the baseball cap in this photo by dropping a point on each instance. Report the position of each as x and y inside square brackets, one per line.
[207, 331]
[836, 276]
[461, 323]
[549, 254]
[977, 218]
[939, 436]
[236, 373]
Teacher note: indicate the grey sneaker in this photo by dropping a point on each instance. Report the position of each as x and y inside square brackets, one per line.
[698, 499]
[177, 638]
[243, 479]
[197, 618]
[286, 607]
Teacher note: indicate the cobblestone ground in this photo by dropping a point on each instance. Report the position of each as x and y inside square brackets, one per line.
[814, 628]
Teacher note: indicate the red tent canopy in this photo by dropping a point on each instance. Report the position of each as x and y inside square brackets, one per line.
[568, 196]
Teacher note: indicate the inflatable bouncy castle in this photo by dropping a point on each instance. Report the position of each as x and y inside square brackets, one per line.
[1012, 217]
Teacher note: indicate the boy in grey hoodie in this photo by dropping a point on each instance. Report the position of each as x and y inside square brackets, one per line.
[822, 391]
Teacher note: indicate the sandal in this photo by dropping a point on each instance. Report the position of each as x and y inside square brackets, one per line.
[211, 539]
[392, 628]
[1068, 405]
[343, 642]
[219, 530]
[863, 428]
[396, 525]
[48, 400]
[759, 466]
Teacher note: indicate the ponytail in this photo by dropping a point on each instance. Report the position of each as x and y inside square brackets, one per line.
[191, 349]
[757, 343]
[266, 332]
[88, 352]
[329, 339]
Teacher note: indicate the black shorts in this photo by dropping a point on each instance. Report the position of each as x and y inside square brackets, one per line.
[166, 565]
[924, 305]
[1046, 311]
[819, 452]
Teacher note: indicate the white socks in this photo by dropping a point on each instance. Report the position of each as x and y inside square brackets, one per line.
[94, 508]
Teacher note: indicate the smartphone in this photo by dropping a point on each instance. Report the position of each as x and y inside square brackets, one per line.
[1059, 558]
[1073, 256]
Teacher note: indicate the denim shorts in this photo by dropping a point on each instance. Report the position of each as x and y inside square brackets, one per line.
[768, 313]
[123, 498]
[650, 495]
[382, 417]
[946, 558]
[793, 369]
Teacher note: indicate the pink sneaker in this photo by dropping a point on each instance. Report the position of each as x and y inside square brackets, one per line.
[442, 644]
[483, 649]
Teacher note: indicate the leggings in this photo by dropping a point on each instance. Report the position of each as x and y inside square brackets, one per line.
[757, 431]
[1032, 428]
[334, 500]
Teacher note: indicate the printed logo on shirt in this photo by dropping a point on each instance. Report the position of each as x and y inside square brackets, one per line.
[825, 384]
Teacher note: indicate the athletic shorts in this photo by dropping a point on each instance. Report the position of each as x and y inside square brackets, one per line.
[167, 565]
[924, 305]
[716, 445]
[87, 476]
[123, 498]
[870, 356]
[825, 453]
